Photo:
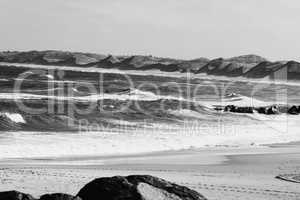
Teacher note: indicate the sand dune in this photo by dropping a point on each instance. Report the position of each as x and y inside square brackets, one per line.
[248, 66]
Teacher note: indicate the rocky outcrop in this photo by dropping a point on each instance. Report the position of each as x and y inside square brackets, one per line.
[294, 110]
[237, 109]
[15, 195]
[267, 110]
[136, 187]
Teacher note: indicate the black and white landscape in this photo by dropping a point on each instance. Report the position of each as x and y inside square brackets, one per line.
[79, 125]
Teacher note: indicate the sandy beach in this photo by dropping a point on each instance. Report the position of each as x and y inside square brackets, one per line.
[227, 174]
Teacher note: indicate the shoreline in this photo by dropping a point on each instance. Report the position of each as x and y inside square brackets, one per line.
[219, 154]
[210, 155]
[208, 151]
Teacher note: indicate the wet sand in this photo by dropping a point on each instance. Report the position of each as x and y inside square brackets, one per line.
[225, 174]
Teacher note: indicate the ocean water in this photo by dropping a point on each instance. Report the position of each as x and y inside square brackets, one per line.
[53, 113]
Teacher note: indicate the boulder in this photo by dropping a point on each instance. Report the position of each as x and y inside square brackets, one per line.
[15, 195]
[230, 108]
[262, 110]
[136, 187]
[294, 110]
[269, 110]
[244, 110]
[283, 108]
[58, 196]
[236, 109]
[272, 110]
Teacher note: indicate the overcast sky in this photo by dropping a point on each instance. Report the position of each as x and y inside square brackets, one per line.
[170, 28]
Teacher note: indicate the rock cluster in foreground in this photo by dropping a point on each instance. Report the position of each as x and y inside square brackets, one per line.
[135, 187]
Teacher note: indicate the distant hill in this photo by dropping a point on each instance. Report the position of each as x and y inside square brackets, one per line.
[248, 66]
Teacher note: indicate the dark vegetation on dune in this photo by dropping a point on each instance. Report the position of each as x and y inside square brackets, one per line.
[134, 187]
[249, 66]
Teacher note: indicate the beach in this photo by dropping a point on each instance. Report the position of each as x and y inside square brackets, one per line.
[218, 173]
[149, 100]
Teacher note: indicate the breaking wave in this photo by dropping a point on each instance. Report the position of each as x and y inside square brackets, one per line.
[129, 107]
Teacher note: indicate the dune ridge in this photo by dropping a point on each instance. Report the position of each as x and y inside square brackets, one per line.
[247, 66]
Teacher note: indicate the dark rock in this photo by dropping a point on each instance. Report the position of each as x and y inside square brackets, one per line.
[262, 110]
[294, 110]
[283, 108]
[269, 110]
[272, 110]
[15, 195]
[183, 192]
[218, 108]
[109, 188]
[244, 110]
[58, 196]
[230, 108]
[136, 187]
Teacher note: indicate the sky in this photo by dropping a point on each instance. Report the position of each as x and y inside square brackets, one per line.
[167, 28]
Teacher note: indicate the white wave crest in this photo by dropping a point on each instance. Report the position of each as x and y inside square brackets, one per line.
[133, 94]
[15, 117]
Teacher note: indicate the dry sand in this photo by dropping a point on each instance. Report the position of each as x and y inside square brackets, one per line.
[225, 174]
